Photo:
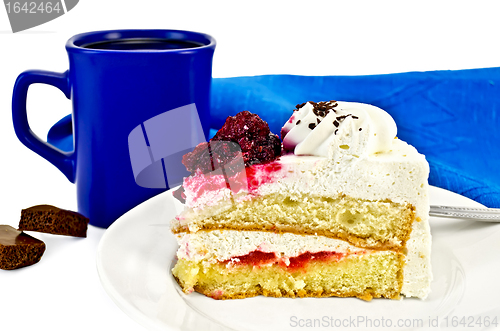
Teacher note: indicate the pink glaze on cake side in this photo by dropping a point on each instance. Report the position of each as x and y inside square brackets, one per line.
[208, 189]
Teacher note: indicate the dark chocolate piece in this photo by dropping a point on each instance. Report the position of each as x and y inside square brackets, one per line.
[17, 249]
[50, 219]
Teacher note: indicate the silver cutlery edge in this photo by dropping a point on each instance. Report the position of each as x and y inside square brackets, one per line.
[478, 214]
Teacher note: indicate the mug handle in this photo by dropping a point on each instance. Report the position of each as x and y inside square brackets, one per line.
[64, 161]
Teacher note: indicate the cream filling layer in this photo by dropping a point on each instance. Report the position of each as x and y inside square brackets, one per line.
[222, 245]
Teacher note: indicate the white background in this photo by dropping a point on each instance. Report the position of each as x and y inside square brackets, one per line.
[63, 291]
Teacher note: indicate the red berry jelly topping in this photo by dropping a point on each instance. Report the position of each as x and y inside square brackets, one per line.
[244, 135]
[256, 144]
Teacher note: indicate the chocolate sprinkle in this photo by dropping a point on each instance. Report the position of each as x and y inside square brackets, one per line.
[336, 131]
[318, 120]
[355, 117]
[360, 129]
[300, 105]
[336, 124]
[323, 108]
[297, 123]
[312, 126]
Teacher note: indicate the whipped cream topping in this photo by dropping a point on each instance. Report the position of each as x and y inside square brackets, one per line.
[334, 128]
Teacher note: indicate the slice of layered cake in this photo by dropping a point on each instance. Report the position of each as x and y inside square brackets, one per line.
[340, 209]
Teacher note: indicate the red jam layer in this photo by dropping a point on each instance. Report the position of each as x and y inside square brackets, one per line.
[302, 260]
[255, 258]
[259, 258]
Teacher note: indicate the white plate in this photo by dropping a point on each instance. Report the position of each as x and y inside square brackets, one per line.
[136, 253]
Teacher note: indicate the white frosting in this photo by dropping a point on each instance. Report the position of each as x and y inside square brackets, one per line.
[417, 272]
[348, 128]
[399, 175]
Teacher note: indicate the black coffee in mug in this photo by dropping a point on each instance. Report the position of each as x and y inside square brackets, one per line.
[131, 44]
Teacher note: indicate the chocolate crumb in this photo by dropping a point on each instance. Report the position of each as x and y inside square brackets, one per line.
[318, 120]
[312, 126]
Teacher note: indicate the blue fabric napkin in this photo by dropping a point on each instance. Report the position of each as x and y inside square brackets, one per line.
[452, 117]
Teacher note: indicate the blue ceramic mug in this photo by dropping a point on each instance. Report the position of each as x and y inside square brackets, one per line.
[126, 86]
